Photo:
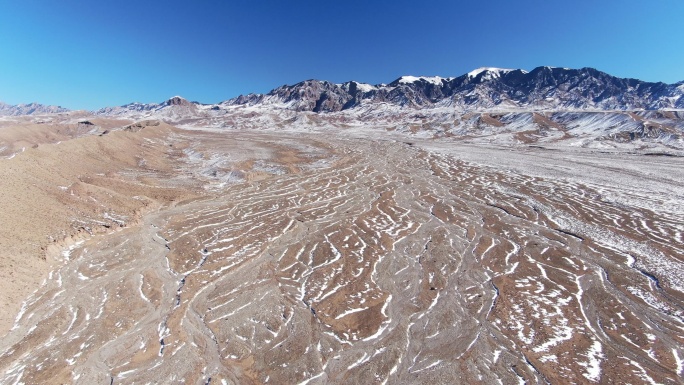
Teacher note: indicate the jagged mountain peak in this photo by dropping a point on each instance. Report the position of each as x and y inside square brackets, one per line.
[173, 107]
[353, 86]
[305, 83]
[435, 80]
[177, 101]
[491, 72]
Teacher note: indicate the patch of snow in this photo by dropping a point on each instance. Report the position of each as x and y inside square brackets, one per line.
[493, 72]
[66, 254]
[679, 361]
[496, 356]
[593, 366]
[365, 87]
[436, 80]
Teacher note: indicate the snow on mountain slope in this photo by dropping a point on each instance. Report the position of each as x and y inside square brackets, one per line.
[436, 80]
[173, 109]
[544, 88]
[363, 87]
[29, 109]
[510, 105]
[487, 88]
[491, 72]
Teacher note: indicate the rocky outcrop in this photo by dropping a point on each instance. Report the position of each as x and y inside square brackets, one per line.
[135, 127]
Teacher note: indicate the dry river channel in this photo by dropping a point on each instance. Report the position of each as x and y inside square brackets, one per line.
[344, 259]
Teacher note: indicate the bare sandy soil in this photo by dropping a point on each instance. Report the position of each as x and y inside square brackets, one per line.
[246, 257]
[58, 192]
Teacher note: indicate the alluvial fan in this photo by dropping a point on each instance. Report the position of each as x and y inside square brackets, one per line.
[342, 260]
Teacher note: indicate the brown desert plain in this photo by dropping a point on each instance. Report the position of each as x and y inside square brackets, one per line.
[143, 252]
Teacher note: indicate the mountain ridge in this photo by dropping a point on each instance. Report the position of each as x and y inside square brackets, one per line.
[29, 109]
[543, 88]
[486, 88]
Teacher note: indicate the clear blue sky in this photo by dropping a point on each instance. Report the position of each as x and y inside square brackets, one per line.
[91, 54]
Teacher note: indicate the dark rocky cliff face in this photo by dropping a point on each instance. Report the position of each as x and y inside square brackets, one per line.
[177, 101]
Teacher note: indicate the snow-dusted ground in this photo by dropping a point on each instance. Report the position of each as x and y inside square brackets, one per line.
[336, 251]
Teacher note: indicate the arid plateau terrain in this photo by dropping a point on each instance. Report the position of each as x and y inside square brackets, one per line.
[296, 247]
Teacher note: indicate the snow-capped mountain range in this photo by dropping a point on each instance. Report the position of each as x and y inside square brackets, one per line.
[512, 106]
[542, 89]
